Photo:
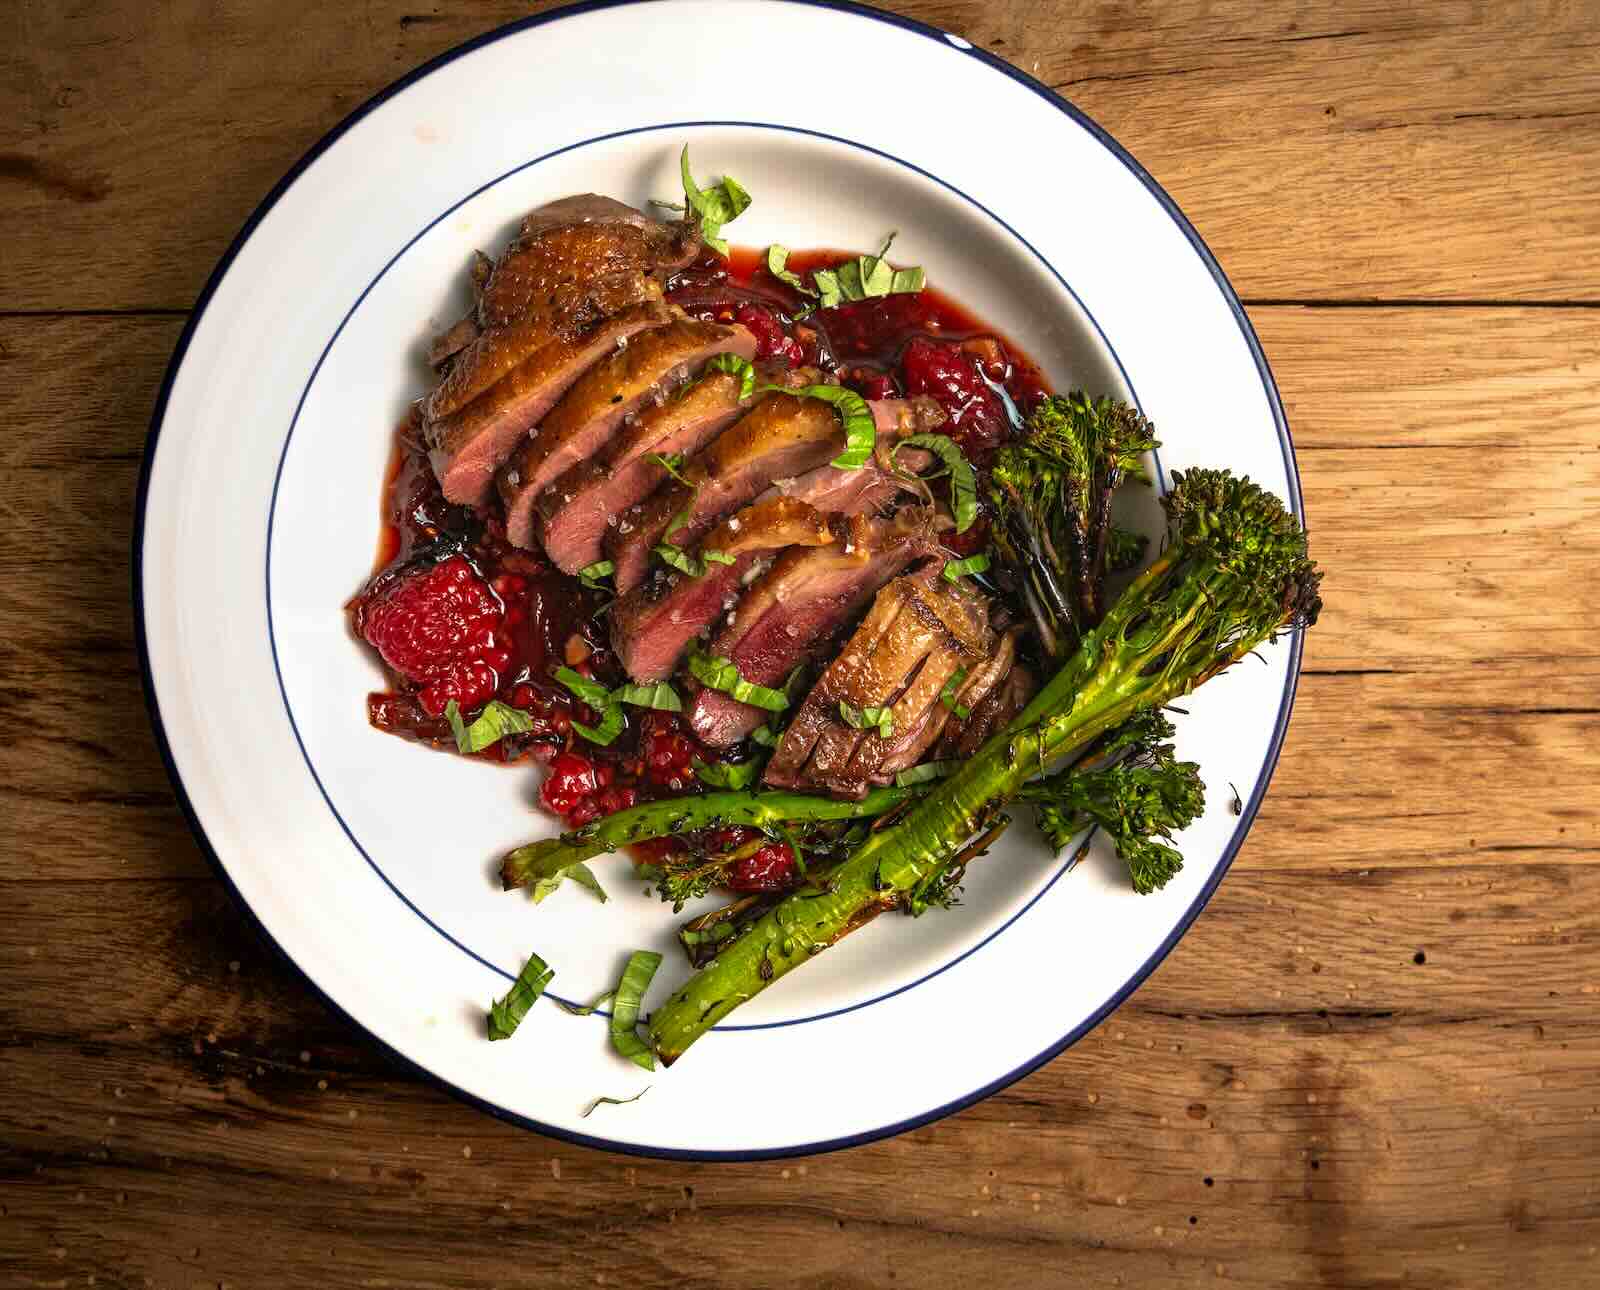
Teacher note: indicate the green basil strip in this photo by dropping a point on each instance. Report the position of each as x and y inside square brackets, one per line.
[955, 570]
[581, 874]
[743, 368]
[963, 482]
[778, 267]
[766, 736]
[827, 288]
[864, 278]
[494, 723]
[584, 1009]
[929, 770]
[591, 574]
[659, 696]
[613, 1101]
[693, 566]
[607, 731]
[717, 205]
[952, 688]
[506, 1014]
[860, 430]
[723, 674]
[671, 462]
[642, 965]
[723, 775]
[879, 719]
[591, 692]
[907, 281]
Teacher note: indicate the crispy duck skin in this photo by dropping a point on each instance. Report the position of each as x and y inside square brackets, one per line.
[919, 633]
[574, 262]
[467, 447]
[784, 436]
[652, 367]
[796, 611]
[994, 710]
[652, 627]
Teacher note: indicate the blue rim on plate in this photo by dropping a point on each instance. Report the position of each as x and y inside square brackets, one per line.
[1250, 809]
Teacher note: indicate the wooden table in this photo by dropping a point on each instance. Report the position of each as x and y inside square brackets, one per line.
[1376, 1058]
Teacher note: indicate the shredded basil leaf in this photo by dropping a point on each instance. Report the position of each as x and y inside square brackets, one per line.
[860, 430]
[952, 688]
[659, 696]
[695, 566]
[506, 1014]
[766, 736]
[778, 267]
[865, 277]
[963, 483]
[591, 574]
[584, 1009]
[591, 692]
[743, 368]
[723, 674]
[607, 731]
[671, 462]
[581, 874]
[723, 775]
[613, 1101]
[929, 770]
[955, 570]
[717, 205]
[642, 965]
[879, 719]
[495, 722]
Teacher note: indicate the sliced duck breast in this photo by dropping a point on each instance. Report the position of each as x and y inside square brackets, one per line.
[652, 626]
[796, 611]
[650, 368]
[467, 447]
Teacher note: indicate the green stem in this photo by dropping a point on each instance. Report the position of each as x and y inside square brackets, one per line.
[551, 857]
[1100, 687]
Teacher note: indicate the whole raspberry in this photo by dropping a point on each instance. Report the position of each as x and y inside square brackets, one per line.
[430, 626]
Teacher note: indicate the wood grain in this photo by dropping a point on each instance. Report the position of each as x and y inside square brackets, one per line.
[1355, 150]
[1374, 1060]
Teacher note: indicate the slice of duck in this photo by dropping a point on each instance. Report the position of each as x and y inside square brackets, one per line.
[908, 746]
[921, 632]
[795, 612]
[467, 447]
[649, 369]
[652, 626]
[576, 510]
[994, 711]
[574, 262]
[781, 438]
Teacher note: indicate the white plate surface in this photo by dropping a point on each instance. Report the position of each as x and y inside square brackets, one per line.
[368, 860]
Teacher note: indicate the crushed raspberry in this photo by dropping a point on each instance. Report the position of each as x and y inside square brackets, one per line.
[441, 627]
[771, 340]
[770, 868]
[951, 377]
[571, 780]
[727, 838]
[878, 387]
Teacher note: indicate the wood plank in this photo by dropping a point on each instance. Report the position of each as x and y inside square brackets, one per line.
[1362, 1120]
[1349, 150]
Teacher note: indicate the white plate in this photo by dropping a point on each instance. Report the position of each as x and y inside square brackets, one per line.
[367, 859]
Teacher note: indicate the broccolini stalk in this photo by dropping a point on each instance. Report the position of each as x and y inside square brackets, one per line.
[1052, 492]
[1234, 574]
[553, 857]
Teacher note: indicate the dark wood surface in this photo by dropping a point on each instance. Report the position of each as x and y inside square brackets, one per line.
[1374, 1061]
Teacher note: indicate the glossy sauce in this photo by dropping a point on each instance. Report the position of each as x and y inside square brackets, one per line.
[874, 346]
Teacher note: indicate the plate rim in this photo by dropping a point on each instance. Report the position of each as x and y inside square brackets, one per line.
[197, 829]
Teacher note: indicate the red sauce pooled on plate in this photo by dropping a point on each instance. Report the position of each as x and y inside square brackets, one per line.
[456, 612]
